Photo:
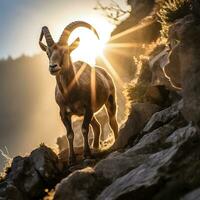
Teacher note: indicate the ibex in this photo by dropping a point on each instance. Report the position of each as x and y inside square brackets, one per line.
[81, 90]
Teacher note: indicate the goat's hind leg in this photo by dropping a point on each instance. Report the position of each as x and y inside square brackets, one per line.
[97, 132]
[66, 119]
[112, 111]
[85, 129]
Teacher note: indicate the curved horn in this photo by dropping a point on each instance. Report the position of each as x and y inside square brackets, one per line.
[69, 28]
[45, 32]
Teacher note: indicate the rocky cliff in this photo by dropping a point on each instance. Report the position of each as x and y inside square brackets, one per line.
[157, 153]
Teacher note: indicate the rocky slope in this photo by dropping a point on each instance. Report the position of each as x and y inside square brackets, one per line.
[157, 153]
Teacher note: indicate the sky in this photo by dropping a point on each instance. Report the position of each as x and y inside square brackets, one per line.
[24, 106]
[21, 22]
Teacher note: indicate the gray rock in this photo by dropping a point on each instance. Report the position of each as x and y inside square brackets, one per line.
[114, 167]
[139, 116]
[157, 63]
[31, 175]
[186, 31]
[163, 117]
[9, 191]
[153, 141]
[144, 176]
[194, 195]
[46, 163]
[172, 69]
[77, 186]
[164, 174]
[182, 134]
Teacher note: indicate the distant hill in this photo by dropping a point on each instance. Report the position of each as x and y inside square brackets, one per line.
[28, 112]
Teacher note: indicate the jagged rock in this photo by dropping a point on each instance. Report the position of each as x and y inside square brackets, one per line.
[139, 116]
[46, 163]
[114, 167]
[194, 195]
[117, 164]
[25, 177]
[77, 186]
[190, 65]
[163, 117]
[158, 178]
[9, 191]
[30, 176]
[145, 175]
[182, 134]
[186, 31]
[151, 142]
[173, 68]
[157, 63]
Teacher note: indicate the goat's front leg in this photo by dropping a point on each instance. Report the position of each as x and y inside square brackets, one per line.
[85, 129]
[66, 119]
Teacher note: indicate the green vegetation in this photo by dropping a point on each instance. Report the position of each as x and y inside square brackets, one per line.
[172, 10]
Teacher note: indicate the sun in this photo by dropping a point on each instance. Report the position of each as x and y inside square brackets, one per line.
[90, 46]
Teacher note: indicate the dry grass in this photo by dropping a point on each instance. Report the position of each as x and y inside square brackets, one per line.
[50, 195]
[172, 10]
[136, 89]
[8, 161]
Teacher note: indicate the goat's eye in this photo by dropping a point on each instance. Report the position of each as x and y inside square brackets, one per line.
[48, 53]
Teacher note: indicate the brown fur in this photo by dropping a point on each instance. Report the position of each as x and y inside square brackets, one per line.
[75, 96]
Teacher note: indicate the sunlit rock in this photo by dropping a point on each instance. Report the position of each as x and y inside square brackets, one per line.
[77, 186]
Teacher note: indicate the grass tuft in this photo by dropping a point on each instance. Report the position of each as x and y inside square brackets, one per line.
[136, 89]
[172, 10]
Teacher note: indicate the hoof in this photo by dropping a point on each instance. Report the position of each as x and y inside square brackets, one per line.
[89, 162]
[87, 156]
[72, 161]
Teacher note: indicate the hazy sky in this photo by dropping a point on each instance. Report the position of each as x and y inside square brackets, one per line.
[21, 21]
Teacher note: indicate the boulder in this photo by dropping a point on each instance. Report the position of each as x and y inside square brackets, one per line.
[165, 174]
[190, 71]
[29, 176]
[172, 69]
[46, 163]
[182, 134]
[194, 195]
[113, 167]
[186, 31]
[138, 117]
[80, 185]
[163, 117]
[24, 176]
[157, 62]
[9, 191]
[145, 176]
[117, 164]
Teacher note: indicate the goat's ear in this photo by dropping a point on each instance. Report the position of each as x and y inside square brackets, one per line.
[42, 46]
[74, 44]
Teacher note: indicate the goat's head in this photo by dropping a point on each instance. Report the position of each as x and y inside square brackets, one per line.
[59, 53]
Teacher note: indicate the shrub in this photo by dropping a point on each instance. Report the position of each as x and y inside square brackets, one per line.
[8, 161]
[172, 10]
[136, 89]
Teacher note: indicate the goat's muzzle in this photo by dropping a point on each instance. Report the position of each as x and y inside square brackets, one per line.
[54, 69]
